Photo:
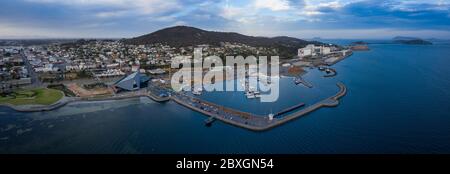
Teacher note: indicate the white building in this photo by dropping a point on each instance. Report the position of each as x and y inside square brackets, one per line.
[135, 68]
[306, 51]
[312, 50]
[325, 50]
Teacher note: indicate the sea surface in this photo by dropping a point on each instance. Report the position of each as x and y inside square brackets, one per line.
[398, 101]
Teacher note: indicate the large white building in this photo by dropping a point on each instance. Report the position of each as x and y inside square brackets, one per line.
[325, 50]
[312, 50]
[306, 52]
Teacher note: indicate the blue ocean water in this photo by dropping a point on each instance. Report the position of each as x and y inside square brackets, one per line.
[398, 101]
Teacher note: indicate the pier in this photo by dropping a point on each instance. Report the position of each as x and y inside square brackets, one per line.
[158, 94]
[289, 109]
[300, 80]
[158, 98]
[328, 102]
[224, 114]
[252, 121]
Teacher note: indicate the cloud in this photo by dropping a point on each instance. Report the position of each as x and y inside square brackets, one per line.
[398, 14]
[180, 23]
[319, 7]
[141, 7]
[384, 33]
[274, 5]
[128, 18]
[109, 14]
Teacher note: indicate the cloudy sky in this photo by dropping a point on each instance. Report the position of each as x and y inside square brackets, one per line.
[296, 18]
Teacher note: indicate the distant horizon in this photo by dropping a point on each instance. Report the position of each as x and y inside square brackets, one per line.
[118, 38]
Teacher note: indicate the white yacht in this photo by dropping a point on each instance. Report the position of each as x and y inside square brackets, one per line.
[195, 92]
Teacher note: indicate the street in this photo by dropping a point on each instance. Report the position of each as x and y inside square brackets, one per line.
[35, 82]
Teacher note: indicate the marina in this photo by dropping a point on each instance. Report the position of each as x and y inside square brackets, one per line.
[252, 121]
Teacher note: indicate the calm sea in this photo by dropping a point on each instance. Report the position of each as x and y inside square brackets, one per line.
[398, 101]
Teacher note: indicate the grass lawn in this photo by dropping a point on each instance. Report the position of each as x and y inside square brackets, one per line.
[33, 97]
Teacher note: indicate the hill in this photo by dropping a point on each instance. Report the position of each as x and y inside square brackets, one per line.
[184, 36]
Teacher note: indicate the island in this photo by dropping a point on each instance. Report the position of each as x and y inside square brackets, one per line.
[359, 46]
[410, 41]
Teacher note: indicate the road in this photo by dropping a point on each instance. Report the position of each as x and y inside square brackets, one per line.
[35, 82]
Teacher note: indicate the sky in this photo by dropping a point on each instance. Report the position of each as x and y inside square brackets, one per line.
[345, 19]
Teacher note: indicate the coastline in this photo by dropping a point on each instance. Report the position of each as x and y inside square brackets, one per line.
[253, 122]
[66, 100]
[227, 115]
[340, 59]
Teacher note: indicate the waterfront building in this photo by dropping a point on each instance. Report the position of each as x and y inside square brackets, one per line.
[313, 51]
[325, 50]
[306, 51]
[132, 82]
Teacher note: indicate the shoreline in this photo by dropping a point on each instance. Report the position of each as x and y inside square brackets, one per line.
[67, 100]
[252, 122]
[340, 59]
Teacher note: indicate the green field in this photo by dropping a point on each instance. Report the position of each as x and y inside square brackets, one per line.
[32, 97]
